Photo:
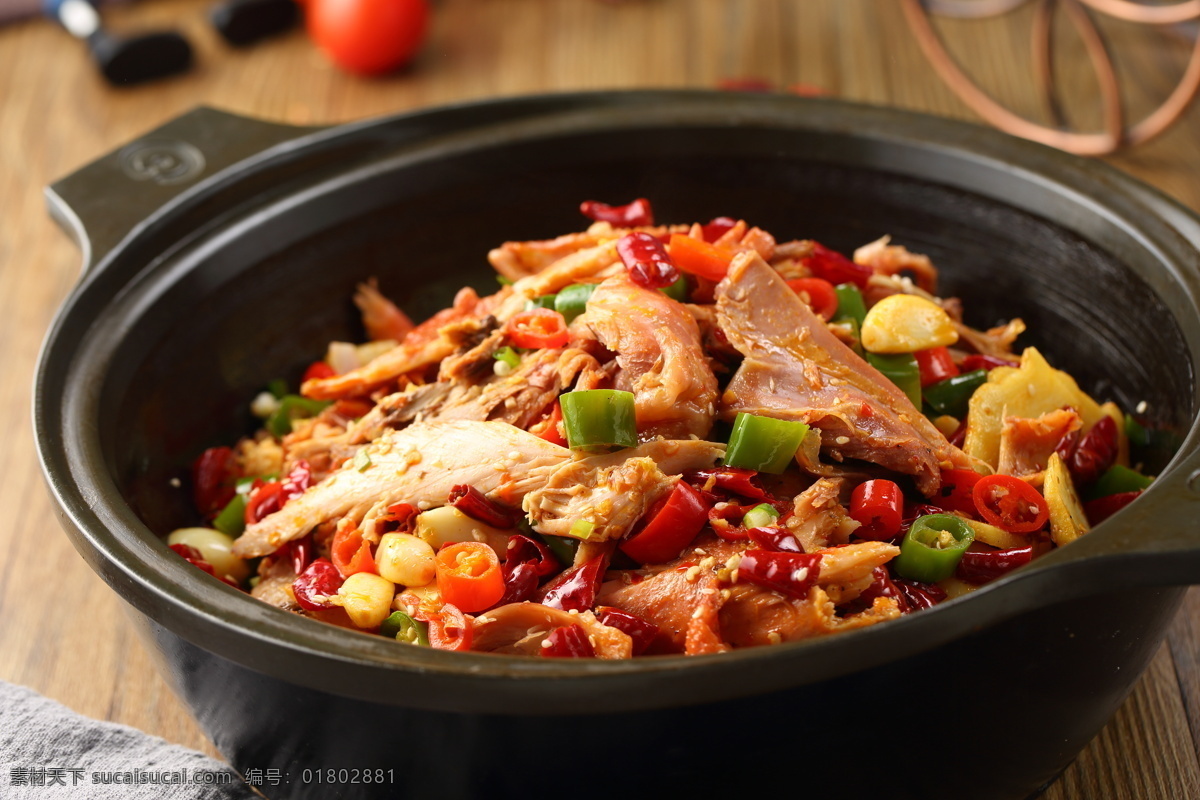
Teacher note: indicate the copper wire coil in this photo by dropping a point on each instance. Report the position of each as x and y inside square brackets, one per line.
[1116, 131]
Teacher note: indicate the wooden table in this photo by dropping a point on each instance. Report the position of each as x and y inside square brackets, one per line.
[64, 633]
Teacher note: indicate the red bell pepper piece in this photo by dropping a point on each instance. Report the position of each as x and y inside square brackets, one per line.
[935, 365]
[671, 525]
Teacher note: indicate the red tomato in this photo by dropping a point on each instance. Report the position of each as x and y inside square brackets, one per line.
[818, 294]
[537, 328]
[369, 37]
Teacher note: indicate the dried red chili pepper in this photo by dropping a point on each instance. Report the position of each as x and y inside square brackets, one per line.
[835, 267]
[1095, 453]
[575, 588]
[983, 566]
[268, 497]
[670, 525]
[980, 361]
[919, 596]
[479, 507]
[640, 631]
[883, 586]
[734, 480]
[631, 215]
[301, 552]
[716, 228]
[776, 539]
[569, 641]
[1102, 508]
[400, 518]
[214, 474]
[647, 261]
[320, 581]
[792, 574]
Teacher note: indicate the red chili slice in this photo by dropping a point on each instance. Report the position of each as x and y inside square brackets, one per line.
[647, 261]
[983, 566]
[775, 539]
[935, 365]
[575, 588]
[478, 506]
[640, 631]
[320, 581]
[448, 627]
[552, 432]
[318, 370]
[631, 215]
[835, 267]
[1010, 503]
[878, 507]
[569, 641]
[818, 294]
[536, 329]
[670, 527]
[792, 574]
[956, 490]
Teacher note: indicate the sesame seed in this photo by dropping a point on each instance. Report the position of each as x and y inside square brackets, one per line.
[842, 440]
[774, 638]
[726, 594]
[708, 563]
[692, 574]
[514, 455]
[698, 613]
[800, 574]
[423, 505]
[175, 483]
[1141, 407]
[545, 642]
[700, 551]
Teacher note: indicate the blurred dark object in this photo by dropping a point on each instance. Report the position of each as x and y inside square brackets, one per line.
[244, 22]
[1116, 131]
[123, 60]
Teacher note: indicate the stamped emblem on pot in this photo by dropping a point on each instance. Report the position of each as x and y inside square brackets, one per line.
[164, 161]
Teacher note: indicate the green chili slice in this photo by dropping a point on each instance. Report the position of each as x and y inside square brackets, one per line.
[764, 444]
[850, 304]
[1117, 479]
[572, 301]
[1137, 433]
[762, 515]
[232, 519]
[582, 529]
[678, 290]
[933, 547]
[403, 628]
[278, 387]
[599, 420]
[292, 406]
[952, 395]
[901, 369]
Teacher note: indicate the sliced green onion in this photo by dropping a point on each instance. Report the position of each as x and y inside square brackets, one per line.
[1117, 479]
[762, 515]
[764, 444]
[563, 547]
[952, 395]
[503, 281]
[572, 301]
[677, 291]
[901, 369]
[507, 355]
[932, 548]
[850, 304]
[403, 628]
[278, 387]
[232, 519]
[545, 301]
[599, 420]
[362, 460]
[292, 406]
[582, 529]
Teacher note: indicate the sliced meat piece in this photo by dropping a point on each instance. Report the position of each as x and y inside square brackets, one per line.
[590, 265]
[1026, 444]
[418, 464]
[683, 604]
[275, 578]
[520, 629]
[846, 572]
[424, 345]
[753, 616]
[381, 317]
[613, 491]
[996, 342]
[657, 342]
[795, 368]
[516, 260]
[819, 520]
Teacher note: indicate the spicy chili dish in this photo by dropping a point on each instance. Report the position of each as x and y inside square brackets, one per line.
[658, 439]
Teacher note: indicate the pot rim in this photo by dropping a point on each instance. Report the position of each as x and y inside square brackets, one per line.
[124, 552]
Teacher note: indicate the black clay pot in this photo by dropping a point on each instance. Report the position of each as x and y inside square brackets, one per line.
[222, 252]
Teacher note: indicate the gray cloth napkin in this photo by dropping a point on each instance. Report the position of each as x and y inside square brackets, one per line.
[48, 752]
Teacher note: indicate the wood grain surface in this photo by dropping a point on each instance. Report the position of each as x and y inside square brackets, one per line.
[65, 634]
